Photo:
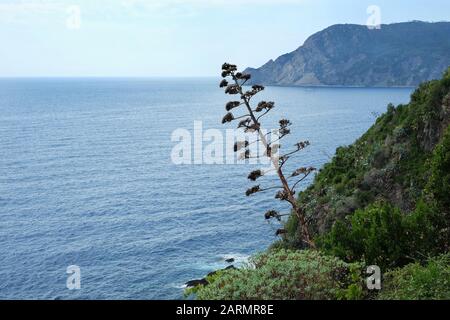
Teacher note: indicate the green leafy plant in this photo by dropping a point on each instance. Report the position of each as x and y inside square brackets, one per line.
[287, 275]
[382, 235]
[377, 235]
[439, 183]
[418, 282]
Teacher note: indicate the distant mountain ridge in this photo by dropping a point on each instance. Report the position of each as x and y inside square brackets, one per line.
[400, 54]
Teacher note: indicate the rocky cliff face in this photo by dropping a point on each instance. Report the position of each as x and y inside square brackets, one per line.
[402, 54]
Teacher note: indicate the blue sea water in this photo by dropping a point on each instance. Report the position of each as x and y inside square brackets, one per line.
[86, 179]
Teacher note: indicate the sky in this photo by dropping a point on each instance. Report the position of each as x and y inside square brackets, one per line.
[175, 38]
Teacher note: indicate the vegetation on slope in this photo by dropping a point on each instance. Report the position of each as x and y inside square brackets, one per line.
[382, 235]
[417, 282]
[288, 275]
[392, 163]
[382, 201]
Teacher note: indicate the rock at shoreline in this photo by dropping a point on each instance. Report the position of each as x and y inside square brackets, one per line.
[214, 272]
[204, 282]
[195, 283]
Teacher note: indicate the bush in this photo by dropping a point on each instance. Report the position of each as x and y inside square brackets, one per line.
[382, 235]
[376, 235]
[287, 275]
[439, 183]
[416, 282]
[428, 231]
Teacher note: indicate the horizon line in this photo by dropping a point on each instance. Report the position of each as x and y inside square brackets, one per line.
[104, 77]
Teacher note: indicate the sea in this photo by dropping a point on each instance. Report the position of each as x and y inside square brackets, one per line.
[88, 180]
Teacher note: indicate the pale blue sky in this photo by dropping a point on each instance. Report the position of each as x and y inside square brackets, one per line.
[173, 37]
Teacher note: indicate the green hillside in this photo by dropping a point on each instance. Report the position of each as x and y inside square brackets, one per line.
[384, 200]
[399, 162]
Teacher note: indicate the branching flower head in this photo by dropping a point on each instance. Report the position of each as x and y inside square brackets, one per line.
[303, 170]
[229, 67]
[223, 83]
[232, 89]
[302, 145]
[282, 195]
[263, 105]
[243, 76]
[248, 94]
[252, 190]
[228, 118]
[284, 132]
[284, 123]
[258, 88]
[225, 73]
[254, 175]
[272, 214]
[232, 104]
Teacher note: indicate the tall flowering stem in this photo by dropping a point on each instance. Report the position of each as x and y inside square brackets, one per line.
[251, 123]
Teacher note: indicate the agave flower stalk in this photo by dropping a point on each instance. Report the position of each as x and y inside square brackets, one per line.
[252, 124]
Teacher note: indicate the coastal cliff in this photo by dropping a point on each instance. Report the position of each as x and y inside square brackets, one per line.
[401, 54]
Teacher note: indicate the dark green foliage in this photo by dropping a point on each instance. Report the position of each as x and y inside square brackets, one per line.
[389, 163]
[417, 282]
[439, 183]
[285, 274]
[377, 235]
[382, 235]
[384, 200]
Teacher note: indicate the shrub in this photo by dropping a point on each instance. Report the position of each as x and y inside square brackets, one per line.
[376, 235]
[439, 183]
[417, 282]
[382, 235]
[287, 275]
[427, 230]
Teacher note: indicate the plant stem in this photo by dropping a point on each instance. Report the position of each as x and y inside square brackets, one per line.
[305, 235]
